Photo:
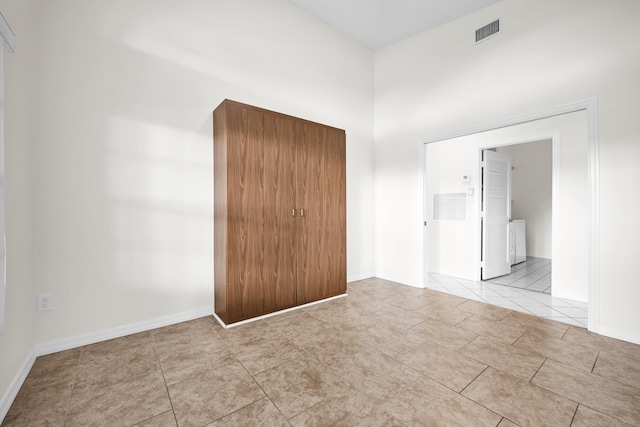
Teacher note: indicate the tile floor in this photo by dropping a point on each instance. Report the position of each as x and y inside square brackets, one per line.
[533, 274]
[386, 355]
[522, 300]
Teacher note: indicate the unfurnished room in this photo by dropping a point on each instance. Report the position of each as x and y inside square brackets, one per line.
[319, 213]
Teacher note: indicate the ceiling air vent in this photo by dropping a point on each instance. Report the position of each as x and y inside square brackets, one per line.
[487, 31]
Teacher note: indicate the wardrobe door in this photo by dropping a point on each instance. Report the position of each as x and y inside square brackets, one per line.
[260, 246]
[321, 199]
[279, 266]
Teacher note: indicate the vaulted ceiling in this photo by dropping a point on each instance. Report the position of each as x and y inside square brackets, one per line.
[380, 23]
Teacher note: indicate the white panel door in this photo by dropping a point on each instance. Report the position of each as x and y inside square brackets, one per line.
[496, 213]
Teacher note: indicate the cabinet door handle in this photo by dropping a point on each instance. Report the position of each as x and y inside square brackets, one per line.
[301, 212]
[293, 212]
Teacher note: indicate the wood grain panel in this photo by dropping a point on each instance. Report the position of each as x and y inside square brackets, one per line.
[321, 193]
[267, 164]
[220, 210]
[245, 293]
[279, 267]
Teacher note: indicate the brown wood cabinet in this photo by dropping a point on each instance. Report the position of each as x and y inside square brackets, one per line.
[280, 211]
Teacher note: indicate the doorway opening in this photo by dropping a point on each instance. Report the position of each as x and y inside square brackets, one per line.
[517, 195]
[452, 245]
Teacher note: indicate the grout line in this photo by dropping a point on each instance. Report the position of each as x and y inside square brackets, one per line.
[164, 379]
[595, 362]
[472, 381]
[73, 387]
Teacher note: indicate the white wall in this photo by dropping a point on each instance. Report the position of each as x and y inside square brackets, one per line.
[17, 340]
[123, 215]
[548, 56]
[453, 247]
[531, 185]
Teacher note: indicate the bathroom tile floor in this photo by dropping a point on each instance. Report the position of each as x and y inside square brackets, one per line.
[523, 300]
[385, 355]
[533, 274]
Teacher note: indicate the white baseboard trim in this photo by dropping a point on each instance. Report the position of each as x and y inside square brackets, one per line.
[275, 313]
[120, 331]
[357, 277]
[14, 387]
[569, 296]
[624, 336]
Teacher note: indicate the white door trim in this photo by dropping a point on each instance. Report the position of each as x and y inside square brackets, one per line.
[591, 107]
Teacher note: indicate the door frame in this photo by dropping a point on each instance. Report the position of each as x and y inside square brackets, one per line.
[593, 196]
[554, 136]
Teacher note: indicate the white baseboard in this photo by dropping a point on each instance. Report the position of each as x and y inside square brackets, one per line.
[624, 336]
[121, 331]
[275, 313]
[569, 296]
[14, 387]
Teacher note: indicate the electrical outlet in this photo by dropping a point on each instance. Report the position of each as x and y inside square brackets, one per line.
[45, 302]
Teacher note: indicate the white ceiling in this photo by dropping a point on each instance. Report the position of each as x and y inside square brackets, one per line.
[379, 23]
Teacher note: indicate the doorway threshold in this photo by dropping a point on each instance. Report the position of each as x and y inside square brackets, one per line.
[525, 301]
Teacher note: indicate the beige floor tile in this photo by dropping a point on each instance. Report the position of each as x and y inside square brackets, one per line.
[172, 337]
[609, 397]
[400, 318]
[425, 402]
[618, 367]
[45, 406]
[443, 334]
[512, 360]
[443, 298]
[364, 303]
[263, 354]
[587, 417]
[197, 327]
[569, 353]
[499, 331]
[101, 349]
[332, 345]
[406, 301]
[297, 386]
[600, 342]
[519, 401]
[390, 340]
[448, 367]
[374, 373]
[297, 324]
[543, 326]
[54, 370]
[183, 362]
[125, 403]
[351, 361]
[444, 313]
[238, 335]
[346, 409]
[213, 395]
[262, 413]
[489, 311]
[506, 423]
[112, 368]
[166, 419]
[348, 317]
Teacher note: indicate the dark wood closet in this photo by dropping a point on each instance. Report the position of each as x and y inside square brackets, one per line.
[280, 211]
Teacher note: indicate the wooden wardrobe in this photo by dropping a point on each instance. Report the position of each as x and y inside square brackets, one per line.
[280, 211]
